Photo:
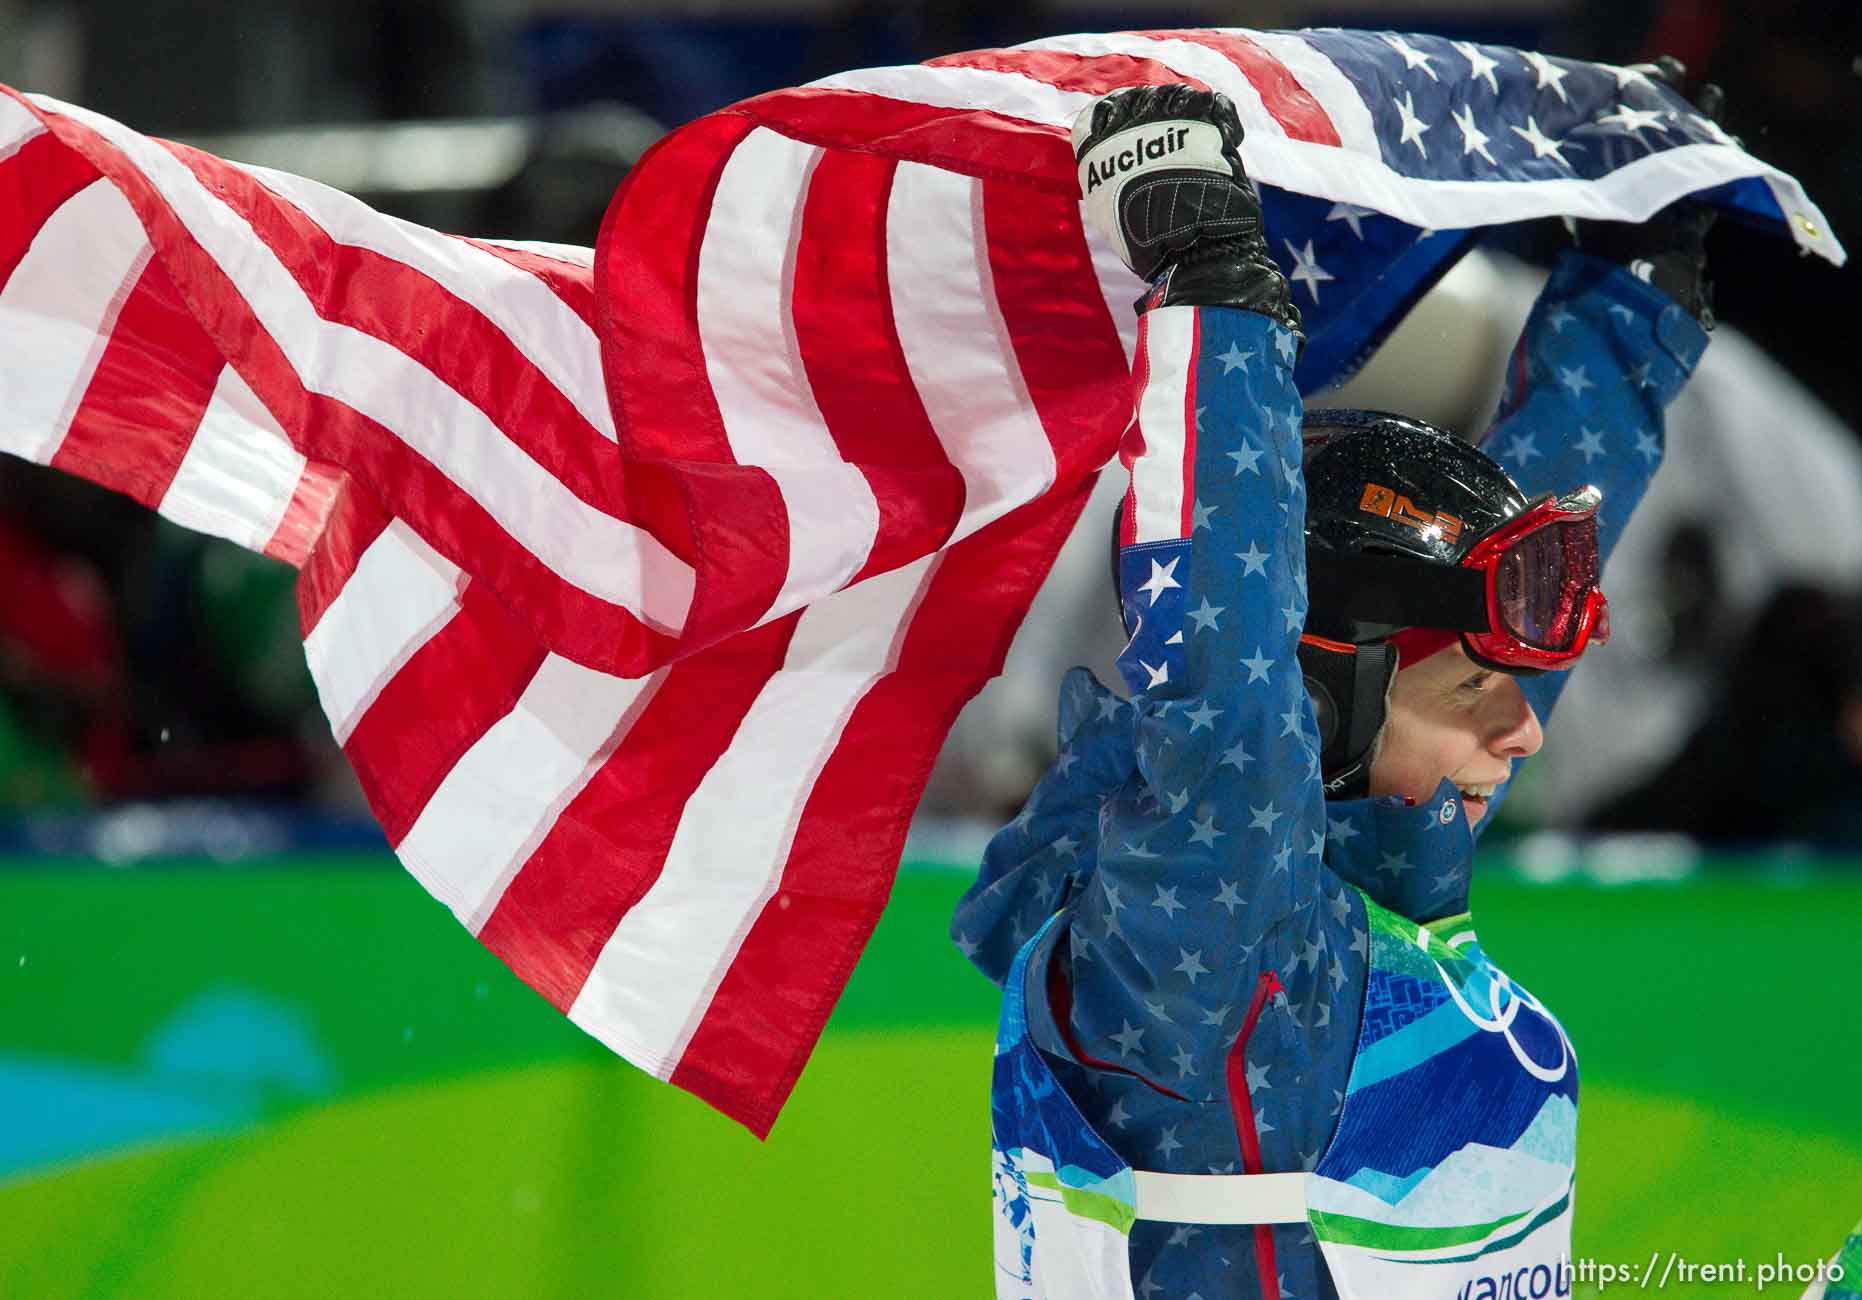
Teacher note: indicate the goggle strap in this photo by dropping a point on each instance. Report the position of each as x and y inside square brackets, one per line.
[1397, 590]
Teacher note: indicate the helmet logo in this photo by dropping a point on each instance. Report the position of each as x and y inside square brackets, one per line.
[1387, 503]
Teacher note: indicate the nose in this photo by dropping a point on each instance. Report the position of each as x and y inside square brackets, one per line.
[1516, 732]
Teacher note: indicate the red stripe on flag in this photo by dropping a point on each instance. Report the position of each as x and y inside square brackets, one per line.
[35, 181]
[573, 284]
[1292, 105]
[971, 142]
[146, 398]
[438, 704]
[849, 344]
[579, 625]
[448, 335]
[1189, 428]
[1084, 74]
[1065, 342]
[608, 846]
[685, 483]
[318, 488]
[772, 1002]
[775, 997]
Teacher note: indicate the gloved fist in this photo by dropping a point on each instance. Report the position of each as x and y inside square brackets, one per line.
[1669, 249]
[1161, 174]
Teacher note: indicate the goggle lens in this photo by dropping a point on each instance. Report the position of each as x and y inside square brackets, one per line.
[1543, 581]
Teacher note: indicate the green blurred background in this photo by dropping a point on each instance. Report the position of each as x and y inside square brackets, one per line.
[304, 1079]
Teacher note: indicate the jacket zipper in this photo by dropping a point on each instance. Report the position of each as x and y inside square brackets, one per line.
[1243, 1106]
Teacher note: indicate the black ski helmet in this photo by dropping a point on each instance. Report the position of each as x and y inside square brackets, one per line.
[1383, 491]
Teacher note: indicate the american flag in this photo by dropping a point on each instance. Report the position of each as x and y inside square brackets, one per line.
[642, 586]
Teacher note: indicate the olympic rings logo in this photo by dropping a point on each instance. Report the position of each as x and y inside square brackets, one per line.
[1502, 1017]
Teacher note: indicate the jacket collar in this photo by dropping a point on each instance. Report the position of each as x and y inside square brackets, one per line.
[1415, 859]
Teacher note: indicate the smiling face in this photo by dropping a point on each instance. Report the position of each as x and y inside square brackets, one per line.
[1449, 717]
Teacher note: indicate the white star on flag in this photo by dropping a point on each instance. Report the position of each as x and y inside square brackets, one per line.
[1633, 75]
[1647, 448]
[1542, 145]
[1236, 757]
[1550, 74]
[1202, 716]
[1200, 514]
[1633, 120]
[1591, 444]
[1264, 818]
[1413, 58]
[1205, 617]
[1306, 269]
[1479, 65]
[1252, 560]
[1245, 457]
[1159, 675]
[1473, 139]
[1161, 580]
[1559, 317]
[1166, 900]
[1413, 126]
[1351, 215]
[1127, 1038]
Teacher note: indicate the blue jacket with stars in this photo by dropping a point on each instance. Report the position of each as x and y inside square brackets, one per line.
[1201, 996]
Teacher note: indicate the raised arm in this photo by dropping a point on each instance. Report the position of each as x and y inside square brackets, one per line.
[1216, 835]
[1608, 346]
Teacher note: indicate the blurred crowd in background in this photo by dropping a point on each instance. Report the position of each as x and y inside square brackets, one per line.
[140, 662]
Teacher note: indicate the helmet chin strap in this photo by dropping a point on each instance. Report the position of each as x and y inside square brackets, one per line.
[1349, 685]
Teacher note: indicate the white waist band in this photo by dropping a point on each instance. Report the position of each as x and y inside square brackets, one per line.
[1222, 1198]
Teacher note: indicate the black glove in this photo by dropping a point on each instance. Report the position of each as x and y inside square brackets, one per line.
[1669, 249]
[1161, 174]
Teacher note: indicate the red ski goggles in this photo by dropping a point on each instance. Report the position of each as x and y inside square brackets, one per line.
[1525, 599]
[1544, 606]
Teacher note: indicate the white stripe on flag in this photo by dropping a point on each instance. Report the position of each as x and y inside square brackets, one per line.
[401, 593]
[605, 556]
[1187, 58]
[1351, 117]
[745, 324]
[239, 473]
[1009, 93]
[17, 125]
[498, 802]
[1157, 474]
[57, 311]
[656, 974]
[956, 346]
[1118, 285]
[528, 312]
